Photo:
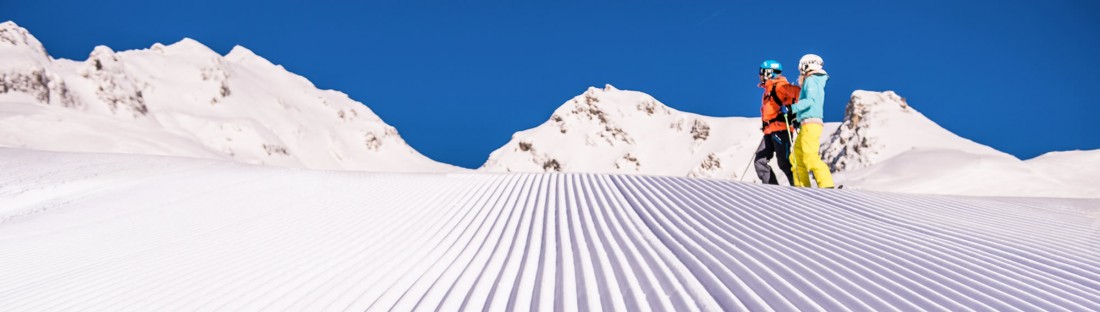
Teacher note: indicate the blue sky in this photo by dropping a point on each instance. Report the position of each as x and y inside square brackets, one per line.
[458, 80]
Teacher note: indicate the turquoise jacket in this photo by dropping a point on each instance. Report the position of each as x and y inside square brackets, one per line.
[811, 101]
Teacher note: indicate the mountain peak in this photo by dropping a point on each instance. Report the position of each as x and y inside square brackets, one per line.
[13, 37]
[623, 101]
[876, 101]
[239, 53]
[620, 131]
[880, 125]
[188, 45]
[102, 50]
[184, 100]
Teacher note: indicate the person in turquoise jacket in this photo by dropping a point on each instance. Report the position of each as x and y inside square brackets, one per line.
[809, 111]
[811, 101]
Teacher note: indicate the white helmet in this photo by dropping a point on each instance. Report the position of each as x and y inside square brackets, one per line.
[810, 62]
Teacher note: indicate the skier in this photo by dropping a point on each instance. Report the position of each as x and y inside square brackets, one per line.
[778, 96]
[809, 111]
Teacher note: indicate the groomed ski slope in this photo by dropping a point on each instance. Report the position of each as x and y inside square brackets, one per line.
[142, 233]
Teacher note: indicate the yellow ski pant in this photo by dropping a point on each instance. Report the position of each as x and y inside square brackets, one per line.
[806, 159]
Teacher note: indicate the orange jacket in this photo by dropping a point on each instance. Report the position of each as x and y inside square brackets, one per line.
[785, 94]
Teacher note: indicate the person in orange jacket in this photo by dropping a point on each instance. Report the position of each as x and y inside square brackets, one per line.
[778, 94]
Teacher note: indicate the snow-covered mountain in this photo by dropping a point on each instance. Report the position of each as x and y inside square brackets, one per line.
[618, 131]
[880, 125]
[184, 99]
[885, 144]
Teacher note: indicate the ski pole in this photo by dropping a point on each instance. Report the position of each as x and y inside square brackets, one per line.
[790, 150]
[746, 171]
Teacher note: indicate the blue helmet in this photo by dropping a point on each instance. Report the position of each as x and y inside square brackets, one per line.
[769, 69]
[772, 64]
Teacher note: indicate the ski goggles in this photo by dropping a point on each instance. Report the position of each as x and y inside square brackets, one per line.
[768, 71]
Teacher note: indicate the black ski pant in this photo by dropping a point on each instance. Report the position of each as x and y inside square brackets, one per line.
[774, 144]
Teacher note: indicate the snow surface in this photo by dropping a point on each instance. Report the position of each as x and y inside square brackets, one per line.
[1078, 168]
[143, 233]
[943, 171]
[186, 100]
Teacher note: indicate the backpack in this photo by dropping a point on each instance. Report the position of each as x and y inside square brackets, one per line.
[790, 118]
